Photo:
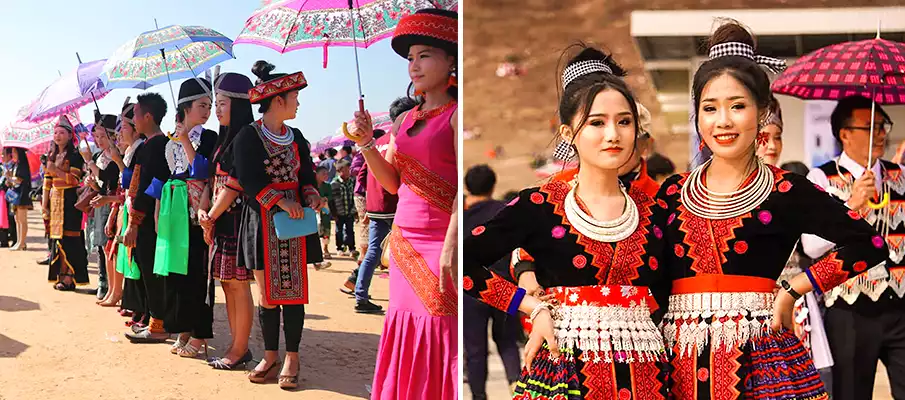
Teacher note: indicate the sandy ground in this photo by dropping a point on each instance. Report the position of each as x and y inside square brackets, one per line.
[61, 345]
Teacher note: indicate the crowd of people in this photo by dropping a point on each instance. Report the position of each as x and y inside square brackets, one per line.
[635, 286]
[170, 214]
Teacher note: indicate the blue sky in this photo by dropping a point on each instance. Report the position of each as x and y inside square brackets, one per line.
[40, 38]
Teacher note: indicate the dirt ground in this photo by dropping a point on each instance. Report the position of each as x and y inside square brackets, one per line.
[61, 345]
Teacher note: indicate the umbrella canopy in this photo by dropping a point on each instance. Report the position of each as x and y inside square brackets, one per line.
[35, 136]
[379, 120]
[872, 68]
[68, 93]
[295, 24]
[187, 52]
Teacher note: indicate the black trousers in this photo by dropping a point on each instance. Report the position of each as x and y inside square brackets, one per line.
[186, 295]
[155, 286]
[862, 334]
[9, 237]
[505, 331]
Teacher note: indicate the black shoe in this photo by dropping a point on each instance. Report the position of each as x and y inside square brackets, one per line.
[366, 307]
[45, 261]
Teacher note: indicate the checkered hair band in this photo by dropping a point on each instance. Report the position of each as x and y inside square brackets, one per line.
[581, 68]
[744, 50]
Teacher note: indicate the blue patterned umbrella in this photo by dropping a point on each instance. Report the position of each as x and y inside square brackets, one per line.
[172, 52]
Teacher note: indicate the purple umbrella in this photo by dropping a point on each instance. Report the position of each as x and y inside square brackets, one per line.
[69, 93]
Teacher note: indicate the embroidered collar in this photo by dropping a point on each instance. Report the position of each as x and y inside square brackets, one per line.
[130, 151]
[419, 115]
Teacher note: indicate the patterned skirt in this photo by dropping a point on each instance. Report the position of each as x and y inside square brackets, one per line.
[225, 249]
[718, 327]
[609, 348]
[250, 251]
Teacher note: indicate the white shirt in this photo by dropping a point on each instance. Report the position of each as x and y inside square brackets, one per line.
[815, 246]
[175, 155]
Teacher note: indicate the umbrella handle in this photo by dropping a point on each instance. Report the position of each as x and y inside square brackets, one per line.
[361, 105]
[883, 203]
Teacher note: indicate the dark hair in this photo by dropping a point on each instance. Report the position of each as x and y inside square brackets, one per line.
[22, 163]
[153, 103]
[8, 151]
[262, 69]
[331, 152]
[743, 69]
[320, 168]
[579, 95]
[181, 109]
[378, 133]
[347, 149]
[796, 167]
[240, 115]
[842, 114]
[510, 195]
[401, 105]
[659, 165]
[480, 180]
[322, 156]
[342, 164]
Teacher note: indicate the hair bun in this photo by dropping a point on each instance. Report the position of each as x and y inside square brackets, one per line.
[589, 53]
[262, 70]
[731, 30]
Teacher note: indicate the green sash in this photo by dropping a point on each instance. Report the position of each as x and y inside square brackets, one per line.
[124, 262]
[172, 254]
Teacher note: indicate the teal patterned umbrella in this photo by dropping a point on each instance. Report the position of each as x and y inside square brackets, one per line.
[173, 52]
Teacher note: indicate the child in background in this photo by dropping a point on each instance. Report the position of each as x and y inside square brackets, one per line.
[324, 227]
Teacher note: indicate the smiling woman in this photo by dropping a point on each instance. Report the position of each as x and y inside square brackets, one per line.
[732, 224]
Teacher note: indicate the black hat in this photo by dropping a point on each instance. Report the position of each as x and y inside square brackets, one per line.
[106, 121]
[194, 89]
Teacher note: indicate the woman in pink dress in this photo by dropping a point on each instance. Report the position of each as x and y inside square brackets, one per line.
[418, 353]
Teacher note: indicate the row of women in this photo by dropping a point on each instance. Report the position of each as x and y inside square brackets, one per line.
[667, 294]
[207, 213]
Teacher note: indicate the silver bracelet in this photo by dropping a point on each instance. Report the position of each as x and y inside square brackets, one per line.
[369, 145]
[541, 306]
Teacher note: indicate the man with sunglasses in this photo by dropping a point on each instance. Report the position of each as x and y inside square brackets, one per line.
[865, 317]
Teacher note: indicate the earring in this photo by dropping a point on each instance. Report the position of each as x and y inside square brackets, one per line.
[761, 138]
[564, 151]
[418, 92]
[453, 80]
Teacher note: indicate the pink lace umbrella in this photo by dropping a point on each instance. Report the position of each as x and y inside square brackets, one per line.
[380, 120]
[68, 93]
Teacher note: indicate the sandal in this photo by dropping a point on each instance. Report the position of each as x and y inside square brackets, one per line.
[256, 376]
[289, 382]
[179, 344]
[190, 351]
[220, 364]
[64, 287]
